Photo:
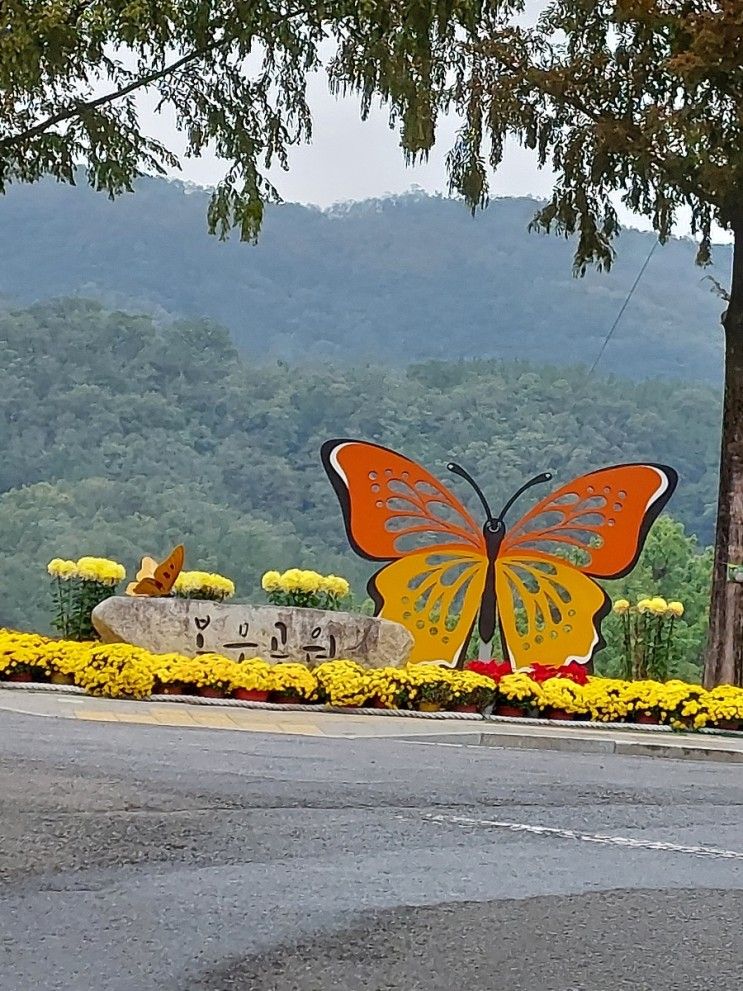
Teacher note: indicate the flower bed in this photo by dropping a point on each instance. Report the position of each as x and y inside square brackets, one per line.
[306, 589]
[203, 585]
[123, 671]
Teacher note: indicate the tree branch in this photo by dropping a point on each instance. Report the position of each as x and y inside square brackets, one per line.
[77, 109]
[632, 131]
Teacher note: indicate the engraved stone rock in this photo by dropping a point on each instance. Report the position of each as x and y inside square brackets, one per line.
[274, 633]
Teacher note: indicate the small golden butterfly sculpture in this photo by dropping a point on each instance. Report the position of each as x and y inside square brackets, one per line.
[155, 579]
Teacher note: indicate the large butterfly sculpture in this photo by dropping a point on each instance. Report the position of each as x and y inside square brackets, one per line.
[155, 579]
[531, 582]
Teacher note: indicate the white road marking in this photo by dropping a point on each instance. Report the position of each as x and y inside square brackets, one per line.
[602, 838]
[435, 743]
[28, 712]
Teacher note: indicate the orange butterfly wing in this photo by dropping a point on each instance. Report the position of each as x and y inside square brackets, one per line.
[604, 517]
[145, 586]
[550, 609]
[387, 499]
[162, 579]
[391, 506]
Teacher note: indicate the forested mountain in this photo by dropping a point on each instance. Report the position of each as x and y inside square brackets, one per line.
[123, 437]
[396, 281]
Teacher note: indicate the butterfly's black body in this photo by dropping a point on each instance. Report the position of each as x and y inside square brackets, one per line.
[494, 530]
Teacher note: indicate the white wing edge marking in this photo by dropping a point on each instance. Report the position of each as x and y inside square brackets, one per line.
[661, 488]
[335, 463]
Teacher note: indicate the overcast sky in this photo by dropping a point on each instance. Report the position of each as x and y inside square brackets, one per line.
[351, 159]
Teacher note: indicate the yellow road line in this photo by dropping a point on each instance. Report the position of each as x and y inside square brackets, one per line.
[103, 717]
[303, 729]
[173, 716]
[207, 718]
[214, 719]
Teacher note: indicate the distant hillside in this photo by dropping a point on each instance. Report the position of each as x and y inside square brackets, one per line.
[119, 437]
[398, 280]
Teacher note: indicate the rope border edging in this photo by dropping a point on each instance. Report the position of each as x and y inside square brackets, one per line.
[362, 711]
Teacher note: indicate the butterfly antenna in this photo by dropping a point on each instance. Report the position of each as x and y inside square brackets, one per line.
[540, 479]
[458, 470]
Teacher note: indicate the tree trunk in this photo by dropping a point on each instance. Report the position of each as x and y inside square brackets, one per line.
[724, 659]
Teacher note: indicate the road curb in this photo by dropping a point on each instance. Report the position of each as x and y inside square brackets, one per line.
[471, 731]
[677, 751]
[586, 745]
[489, 720]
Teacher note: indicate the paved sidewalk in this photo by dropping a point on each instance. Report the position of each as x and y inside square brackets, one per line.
[333, 725]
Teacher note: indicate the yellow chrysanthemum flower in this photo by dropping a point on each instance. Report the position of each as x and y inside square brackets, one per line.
[195, 584]
[58, 568]
[658, 606]
[101, 570]
[291, 580]
[271, 581]
[309, 581]
[123, 671]
[675, 609]
[621, 606]
[336, 586]
[304, 588]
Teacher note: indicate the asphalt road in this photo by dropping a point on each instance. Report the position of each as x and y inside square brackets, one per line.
[139, 858]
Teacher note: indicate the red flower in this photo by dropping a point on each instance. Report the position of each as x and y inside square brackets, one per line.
[496, 669]
[543, 672]
[493, 668]
[573, 671]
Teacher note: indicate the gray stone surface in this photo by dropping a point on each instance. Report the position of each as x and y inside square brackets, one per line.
[275, 633]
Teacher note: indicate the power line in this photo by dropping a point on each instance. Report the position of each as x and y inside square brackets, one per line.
[625, 304]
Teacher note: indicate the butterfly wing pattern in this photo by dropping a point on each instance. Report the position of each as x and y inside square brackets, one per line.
[395, 511]
[550, 613]
[436, 594]
[155, 579]
[594, 527]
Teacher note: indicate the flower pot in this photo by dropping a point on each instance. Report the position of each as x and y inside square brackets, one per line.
[250, 695]
[171, 688]
[647, 719]
[429, 707]
[61, 679]
[728, 724]
[20, 676]
[286, 698]
[513, 711]
[207, 692]
[465, 708]
[560, 714]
